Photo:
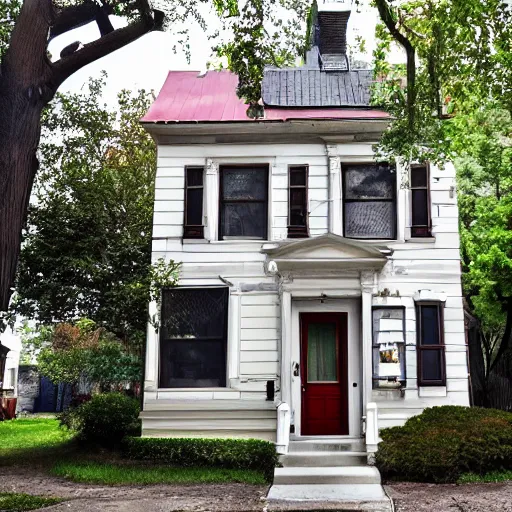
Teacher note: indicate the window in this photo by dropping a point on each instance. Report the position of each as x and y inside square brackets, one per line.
[298, 202]
[243, 202]
[193, 227]
[193, 337]
[369, 200]
[420, 201]
[388, 347]
[430, 346]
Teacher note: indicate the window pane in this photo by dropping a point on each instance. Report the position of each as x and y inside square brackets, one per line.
[194, 313]
[322, 356]
[369, 182]
[429, 325]
[370, 220]
[418, 177]
[194, 177]
[431, 365]
[419, 207]
[297, 176]
[244, 220]
[195, 206]
[244, 183]
[298, 212]
[192, 363]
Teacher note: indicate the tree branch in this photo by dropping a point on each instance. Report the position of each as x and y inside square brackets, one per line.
[105, 45]
[386, 15]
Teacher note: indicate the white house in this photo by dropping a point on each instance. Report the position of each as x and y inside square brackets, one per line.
[320, 291]
[10, 349]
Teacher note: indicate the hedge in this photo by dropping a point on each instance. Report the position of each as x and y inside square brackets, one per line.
[443, 443]
[221, 453]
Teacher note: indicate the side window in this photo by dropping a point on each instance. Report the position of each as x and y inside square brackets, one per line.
[298, 201]
[388, 347]
[193, 227]
[243, 202]
[193, 337]
[369, 201]
[430, 345]
[420, 201]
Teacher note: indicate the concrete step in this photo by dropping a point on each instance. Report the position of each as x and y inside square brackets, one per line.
[368, 497]
[327, 445]
[324, 459]
[348, 475]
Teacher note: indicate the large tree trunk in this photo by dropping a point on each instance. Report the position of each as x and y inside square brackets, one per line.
[24, 91]
[28, 81]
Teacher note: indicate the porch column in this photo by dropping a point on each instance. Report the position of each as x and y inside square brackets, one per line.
[368, 287]
[286, 346]
[334, 190]
[152, 351]
[212, 199]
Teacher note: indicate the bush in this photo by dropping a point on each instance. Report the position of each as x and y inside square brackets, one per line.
[442, 443]
[221, 453]
[105, 419]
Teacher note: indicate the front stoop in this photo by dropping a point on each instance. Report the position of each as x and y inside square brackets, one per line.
[327, 474]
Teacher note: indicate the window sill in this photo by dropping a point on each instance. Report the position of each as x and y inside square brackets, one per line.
[432, 391]
[195, 241]
[421, 240]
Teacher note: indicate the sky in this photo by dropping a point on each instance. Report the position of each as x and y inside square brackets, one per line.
[146, 62]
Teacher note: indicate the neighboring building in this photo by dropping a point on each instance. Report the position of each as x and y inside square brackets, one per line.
[320, 292]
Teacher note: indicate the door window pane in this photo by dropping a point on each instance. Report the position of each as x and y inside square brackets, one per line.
[322, 353]
[370, 219]
[193, 336]
[420, 207]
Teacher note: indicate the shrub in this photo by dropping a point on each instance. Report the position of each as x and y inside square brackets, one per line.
[104, 419]
[442, 443]
[222, 453]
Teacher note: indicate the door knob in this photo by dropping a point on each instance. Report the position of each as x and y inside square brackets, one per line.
[303, 389]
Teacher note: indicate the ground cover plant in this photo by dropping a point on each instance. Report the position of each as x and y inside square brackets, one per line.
[135, 474]
[492, 477]
[19, 502]
[444, 443]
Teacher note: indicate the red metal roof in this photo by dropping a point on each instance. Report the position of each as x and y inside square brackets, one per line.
[187, 96]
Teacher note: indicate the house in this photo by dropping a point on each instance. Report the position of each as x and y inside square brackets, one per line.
[10, 348]
[320, 290]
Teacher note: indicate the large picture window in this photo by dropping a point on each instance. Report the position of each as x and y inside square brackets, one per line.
[369, 200]
[388, 347]
[243, 202]
[430, 347]
[193, 337]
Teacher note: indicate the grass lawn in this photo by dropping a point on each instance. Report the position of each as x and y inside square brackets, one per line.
[494, 476]
[15, 502]
[124, 474]
[32, 438]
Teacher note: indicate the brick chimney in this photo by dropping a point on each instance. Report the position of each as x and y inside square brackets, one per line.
[329, 35]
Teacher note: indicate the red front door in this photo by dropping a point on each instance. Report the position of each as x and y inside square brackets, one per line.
[324, 374]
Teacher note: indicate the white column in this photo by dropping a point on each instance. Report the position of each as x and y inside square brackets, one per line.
[335, 203]
[212, 199]
[367, 288]
[152, 350]
[286, 346]
[283, 428]
[234, 337]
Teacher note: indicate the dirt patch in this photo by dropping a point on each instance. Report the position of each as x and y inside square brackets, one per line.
[91, 498]
[411, 497]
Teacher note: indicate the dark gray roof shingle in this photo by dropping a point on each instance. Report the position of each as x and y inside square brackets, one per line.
[309, 87]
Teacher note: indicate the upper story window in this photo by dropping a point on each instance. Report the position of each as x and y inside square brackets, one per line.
[193, 225]
[298, 201]
[369, 201]
[430, 346]
[420, 201]
[243, 202]
[193, 337]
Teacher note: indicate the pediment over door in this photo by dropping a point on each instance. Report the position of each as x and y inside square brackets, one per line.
[326, 252]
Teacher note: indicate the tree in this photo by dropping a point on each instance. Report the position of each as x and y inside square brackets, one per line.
[87, 246]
